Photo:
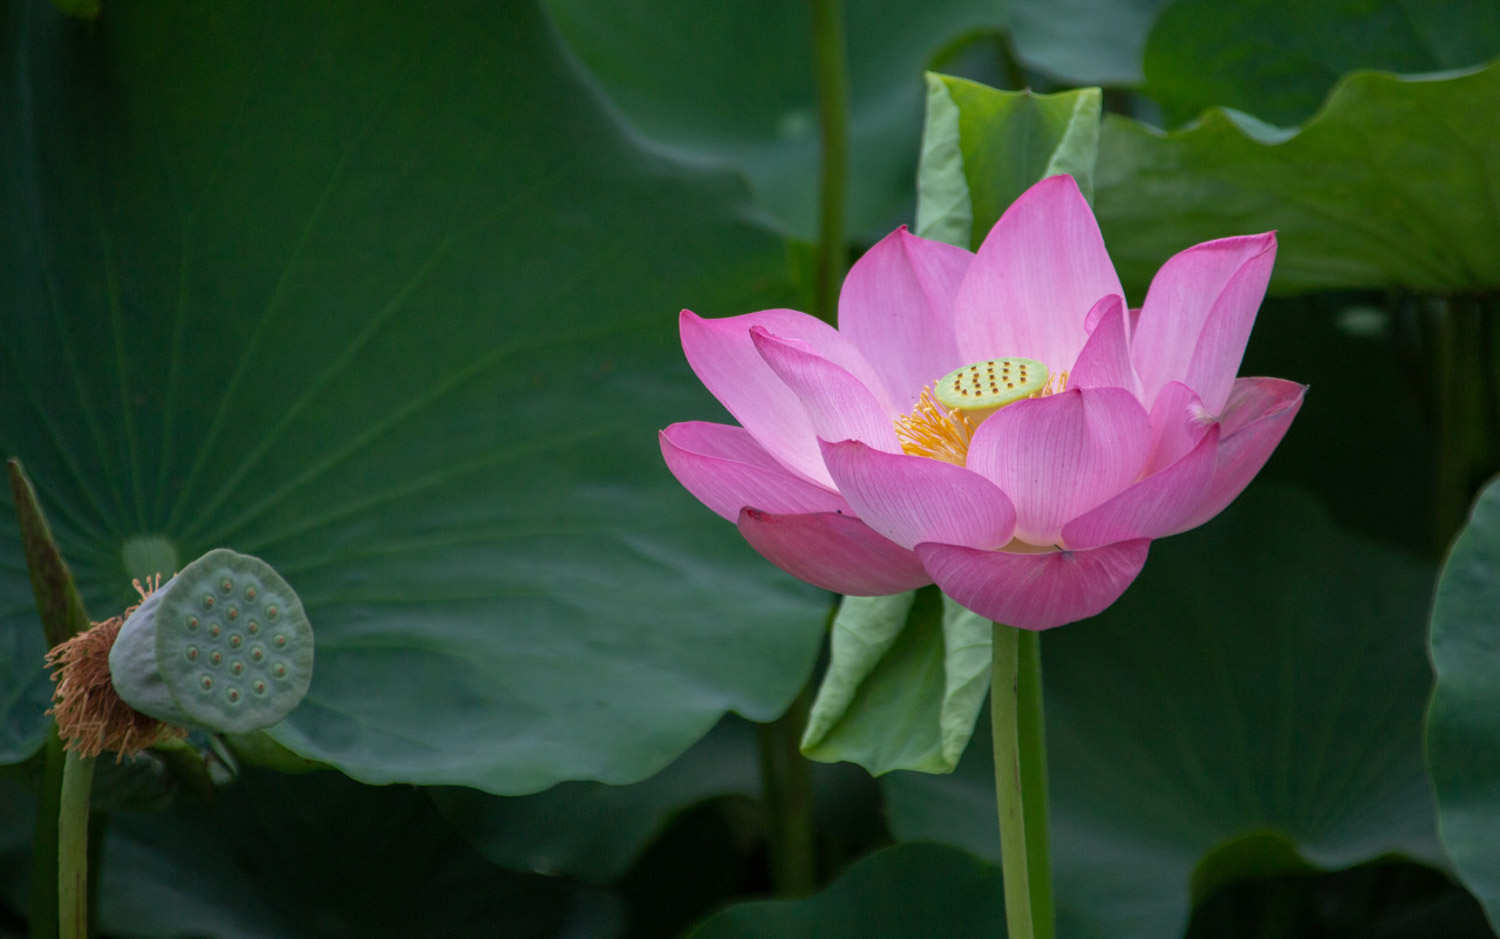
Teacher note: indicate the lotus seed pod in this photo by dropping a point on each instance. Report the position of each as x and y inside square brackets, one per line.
[224, 645]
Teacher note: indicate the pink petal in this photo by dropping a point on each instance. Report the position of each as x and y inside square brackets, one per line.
[1105, 359]
[896, 307]
[1178, 422]
[1031, 285]
[1152, 508]
[833, 551]
[1256, 418]
[1198, 314]
[724, 358]
[1058, 457]
[838, 404]
[1035, 591]
[911, 499]
[727, 470]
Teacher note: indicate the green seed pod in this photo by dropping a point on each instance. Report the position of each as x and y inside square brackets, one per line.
[224, 645]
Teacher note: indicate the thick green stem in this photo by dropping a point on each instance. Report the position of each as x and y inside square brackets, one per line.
[787, 780]
[73, 847]
[832, 70]
[1020, 750]
[43, 919]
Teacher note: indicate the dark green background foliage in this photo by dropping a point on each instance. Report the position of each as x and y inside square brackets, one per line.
[387, 295]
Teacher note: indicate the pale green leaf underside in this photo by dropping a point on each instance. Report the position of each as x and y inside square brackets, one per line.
[1463, 720]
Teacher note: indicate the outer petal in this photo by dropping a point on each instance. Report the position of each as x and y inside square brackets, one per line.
[910, 499]
[724, 358]
[1198, 313]
[1178, 422]
[1035, 591]
[1105, 359]
[839, 405]
[897, 308]
[1034, 279]
[1152, 508]
[727, 470]
[1060, 456]
[833, 551]
[1256, 418]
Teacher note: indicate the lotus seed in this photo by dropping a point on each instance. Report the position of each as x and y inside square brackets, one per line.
[207, 683]
[233, 695]
[249, 594]
[253, 628]
[226, 585]
[237, 667]
[235, 640]
[279, 671]
[280, 641]
[192, 653]
[214, 658]
[260, 687]
[257, 653]
[192, 624]
[271, 612]
[234, 613]
[208, 601]
[213, 629]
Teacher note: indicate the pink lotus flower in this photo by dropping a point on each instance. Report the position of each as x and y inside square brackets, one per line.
[998, 423]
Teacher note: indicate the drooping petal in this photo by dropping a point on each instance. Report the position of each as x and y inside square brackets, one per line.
[1256, 418]
[1035, 591]
[723, 356]
[838, 404]
[1105, 359]
[911, 499]
[1153, 507]
[833, 551]
[1178, 422]
[727, 470]
[897, 308]
[1198, 314]
[1058, 457]
[1033, 281]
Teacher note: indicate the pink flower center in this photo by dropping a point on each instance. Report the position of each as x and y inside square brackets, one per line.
[943, 422]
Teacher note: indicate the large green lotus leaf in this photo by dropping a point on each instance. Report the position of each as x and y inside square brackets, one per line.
[1084, 42]
[1463, 720]
[982, 148]
[1263, 679]
[897, 893]
[593, 831]
[733, 83]
[1390, 184]
[384, 296]
[319, 855]
[1277, 60]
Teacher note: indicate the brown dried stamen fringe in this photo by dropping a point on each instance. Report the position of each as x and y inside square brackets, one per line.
[91, 717]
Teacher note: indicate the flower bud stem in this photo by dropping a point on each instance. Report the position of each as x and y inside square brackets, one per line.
[1019, 741]
[73, 847]
[831, 67]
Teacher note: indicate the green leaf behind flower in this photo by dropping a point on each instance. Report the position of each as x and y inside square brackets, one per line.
[981, 148]
[1391, 184]
[1463, 720]
[1277, 60]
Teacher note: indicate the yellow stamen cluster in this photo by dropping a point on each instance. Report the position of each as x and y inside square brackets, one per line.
[939, 430]
[933, 431]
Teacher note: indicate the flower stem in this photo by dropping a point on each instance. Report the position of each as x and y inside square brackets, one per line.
[1020, 750]
[73, 847]
[787, 782]
[43, 919]
[831, 66]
